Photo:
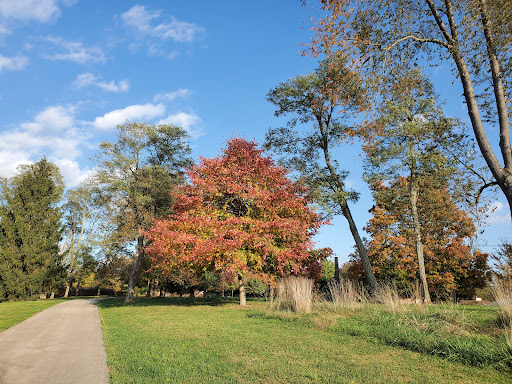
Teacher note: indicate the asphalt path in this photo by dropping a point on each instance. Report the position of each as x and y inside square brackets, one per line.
[62, 344]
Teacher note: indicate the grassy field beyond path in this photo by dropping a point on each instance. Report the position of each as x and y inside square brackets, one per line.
[184, 341]
[13, 313]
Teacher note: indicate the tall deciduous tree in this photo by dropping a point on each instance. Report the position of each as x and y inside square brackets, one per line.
[239, 214]
[83, 206]
[30, 231]
[139, 170]
[412, 141]
[325, 100]
[383, 37]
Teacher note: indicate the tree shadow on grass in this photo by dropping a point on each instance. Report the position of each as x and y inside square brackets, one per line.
[169, 301]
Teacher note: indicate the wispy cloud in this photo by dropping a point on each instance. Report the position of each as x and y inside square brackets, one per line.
[153, 29]
[73, 51]
[88, 79]
[171, 96]
[134, 112]
[186, 121]
[41, 11]
[16, 63]
[142, 20]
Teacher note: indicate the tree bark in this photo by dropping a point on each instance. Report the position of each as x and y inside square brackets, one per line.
[413, 187]
[503, 175]
[137, 264]
[66, 292]
[241, 281]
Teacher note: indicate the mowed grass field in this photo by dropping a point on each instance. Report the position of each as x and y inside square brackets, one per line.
[215, 341]
[12, 313]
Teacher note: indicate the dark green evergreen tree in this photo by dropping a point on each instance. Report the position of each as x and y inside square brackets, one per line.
[30, 231]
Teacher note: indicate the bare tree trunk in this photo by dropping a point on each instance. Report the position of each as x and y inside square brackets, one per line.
[417, 238]
[241, 281]
[137, 264]
[148, 289]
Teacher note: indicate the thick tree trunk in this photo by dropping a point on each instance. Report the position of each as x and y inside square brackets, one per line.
[99, 291]
[137, 264]
[66, 292]
[417, 239]
[503, 175]
[241, 281]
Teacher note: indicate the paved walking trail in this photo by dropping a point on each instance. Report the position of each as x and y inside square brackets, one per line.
[62, 344]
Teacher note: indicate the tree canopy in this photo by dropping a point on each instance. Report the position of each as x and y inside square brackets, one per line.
[139, 170]
[239, 214]
[383, 38]
[30, 232]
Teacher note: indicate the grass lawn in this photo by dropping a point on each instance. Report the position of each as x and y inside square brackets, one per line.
[215, 341]
[12, 313]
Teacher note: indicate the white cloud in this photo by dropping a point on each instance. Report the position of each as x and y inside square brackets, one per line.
[41, 11]
[133, 112]
[16, 63]
[53, 119]
[498, 213]
[74, 51]
[53, 133]
[88, 79]
[171, 96]
[71, 172]
[10, 160]
[38, 10]
[141, 19]
[186, 121]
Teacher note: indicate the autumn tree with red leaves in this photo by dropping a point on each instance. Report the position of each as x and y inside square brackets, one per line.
[239, 214]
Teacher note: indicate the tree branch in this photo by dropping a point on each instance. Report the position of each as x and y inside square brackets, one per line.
[418, 40]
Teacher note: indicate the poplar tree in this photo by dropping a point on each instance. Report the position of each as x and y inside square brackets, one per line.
[30, 231]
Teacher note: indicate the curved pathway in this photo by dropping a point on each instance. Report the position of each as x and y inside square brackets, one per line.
[62, 344]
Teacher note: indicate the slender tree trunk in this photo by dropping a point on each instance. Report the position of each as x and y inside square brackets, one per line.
[99, 291]
[417, 238]
[66, 292]
[362, 250]
[241, 281]
[370, 277]
[149, 288]
[137, 264]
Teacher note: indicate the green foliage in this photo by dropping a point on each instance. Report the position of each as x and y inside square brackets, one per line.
[256, 287]
[30, 231]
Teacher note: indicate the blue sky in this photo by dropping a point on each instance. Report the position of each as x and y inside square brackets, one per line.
[71, 70]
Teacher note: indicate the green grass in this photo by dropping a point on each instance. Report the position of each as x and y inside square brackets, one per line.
[12, 313]
[216, 341]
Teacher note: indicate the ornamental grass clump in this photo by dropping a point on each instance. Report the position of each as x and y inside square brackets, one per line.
[295, 294]
[347, 294]
[502, 291]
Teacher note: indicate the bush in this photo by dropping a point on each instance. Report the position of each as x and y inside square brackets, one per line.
[256, 287]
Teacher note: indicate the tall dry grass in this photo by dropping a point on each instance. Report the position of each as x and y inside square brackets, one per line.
[347, 294]
[295, 293]
[502, 292]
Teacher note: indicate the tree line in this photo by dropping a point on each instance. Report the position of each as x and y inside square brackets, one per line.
[148, 211]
